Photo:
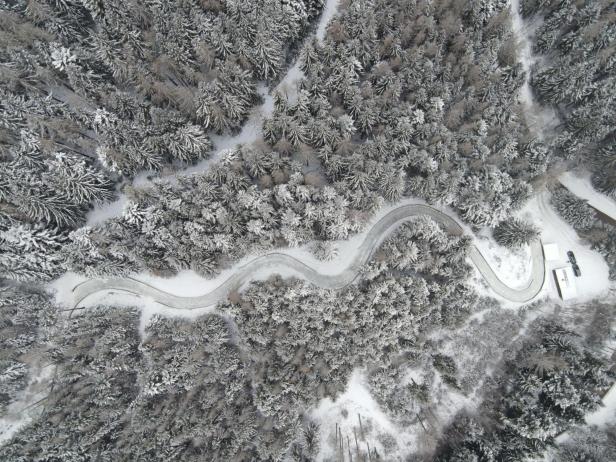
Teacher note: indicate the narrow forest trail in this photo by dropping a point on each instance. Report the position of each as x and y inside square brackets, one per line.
[272, 263]
[250, 132]
[544, 121]
[252, 129]
[539, 118]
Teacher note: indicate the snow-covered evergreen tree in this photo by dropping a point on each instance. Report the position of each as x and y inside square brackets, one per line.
[27, 320]
[574, 210]
[514, 233]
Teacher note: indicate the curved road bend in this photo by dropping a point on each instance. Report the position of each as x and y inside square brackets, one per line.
[273, 262]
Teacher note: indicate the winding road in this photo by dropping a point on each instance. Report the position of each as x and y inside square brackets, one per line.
[273, 262]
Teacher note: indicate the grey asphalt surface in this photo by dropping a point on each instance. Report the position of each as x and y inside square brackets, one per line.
[272, 263]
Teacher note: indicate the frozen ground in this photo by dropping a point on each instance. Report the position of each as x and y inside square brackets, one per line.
[607, 413]
[329, 11]
[344, 412]
[250, 132]
[538, 117]
[594, 281]
[580, 185]
[25, 408]
[511, 266]
[174, 292]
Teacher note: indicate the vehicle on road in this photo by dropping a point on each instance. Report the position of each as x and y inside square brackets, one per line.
[576, 270]
[571, 257]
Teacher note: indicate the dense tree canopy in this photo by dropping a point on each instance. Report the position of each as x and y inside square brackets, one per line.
[578, 77]
[551, 383]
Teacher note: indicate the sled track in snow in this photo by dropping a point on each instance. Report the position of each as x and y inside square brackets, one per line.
[273, 262]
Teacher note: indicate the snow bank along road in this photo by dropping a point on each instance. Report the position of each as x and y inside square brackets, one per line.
[272, 263]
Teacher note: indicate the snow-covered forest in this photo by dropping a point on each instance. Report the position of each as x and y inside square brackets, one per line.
[124, 155]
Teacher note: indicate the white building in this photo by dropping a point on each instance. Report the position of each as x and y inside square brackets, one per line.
[565, 282]
[550, 251]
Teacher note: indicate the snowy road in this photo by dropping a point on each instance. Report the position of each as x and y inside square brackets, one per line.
[275, 262]
[581, 186]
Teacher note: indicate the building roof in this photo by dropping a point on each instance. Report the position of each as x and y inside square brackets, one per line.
[550, 251]
[565, 281]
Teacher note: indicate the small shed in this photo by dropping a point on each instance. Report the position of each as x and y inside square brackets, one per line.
[550, 251]
[565, 281]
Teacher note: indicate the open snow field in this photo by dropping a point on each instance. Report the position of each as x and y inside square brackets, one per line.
[379, 427]
[20, 412]
[344, 413]
[512, 266]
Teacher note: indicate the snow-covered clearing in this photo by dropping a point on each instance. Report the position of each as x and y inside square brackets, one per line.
[538, 117]
[344, 413]
[379, 427]
[579, 184]
[106, 211]
[594, 281]
[329, 11]
[188, 284]
[377, 430]
[250, 132]
[21, 411]
[607, 413]
[511, 266]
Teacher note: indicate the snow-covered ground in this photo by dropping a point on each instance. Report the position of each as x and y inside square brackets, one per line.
[379, 430]
[63, 296]
[525, 55]
[511, 266]
[250, 132]
[538, 117]
[579, 184]
[20, 412]
[594, 281]
[106, 211]
[329, 11]
[344, 413]
[252, 129]
[189, 284]
[605, 414]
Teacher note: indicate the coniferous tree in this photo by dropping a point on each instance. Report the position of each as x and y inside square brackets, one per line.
[515, 233]
[574, 211]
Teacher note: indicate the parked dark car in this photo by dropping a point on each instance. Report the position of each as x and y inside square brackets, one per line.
[576, 270]
[571, 257]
